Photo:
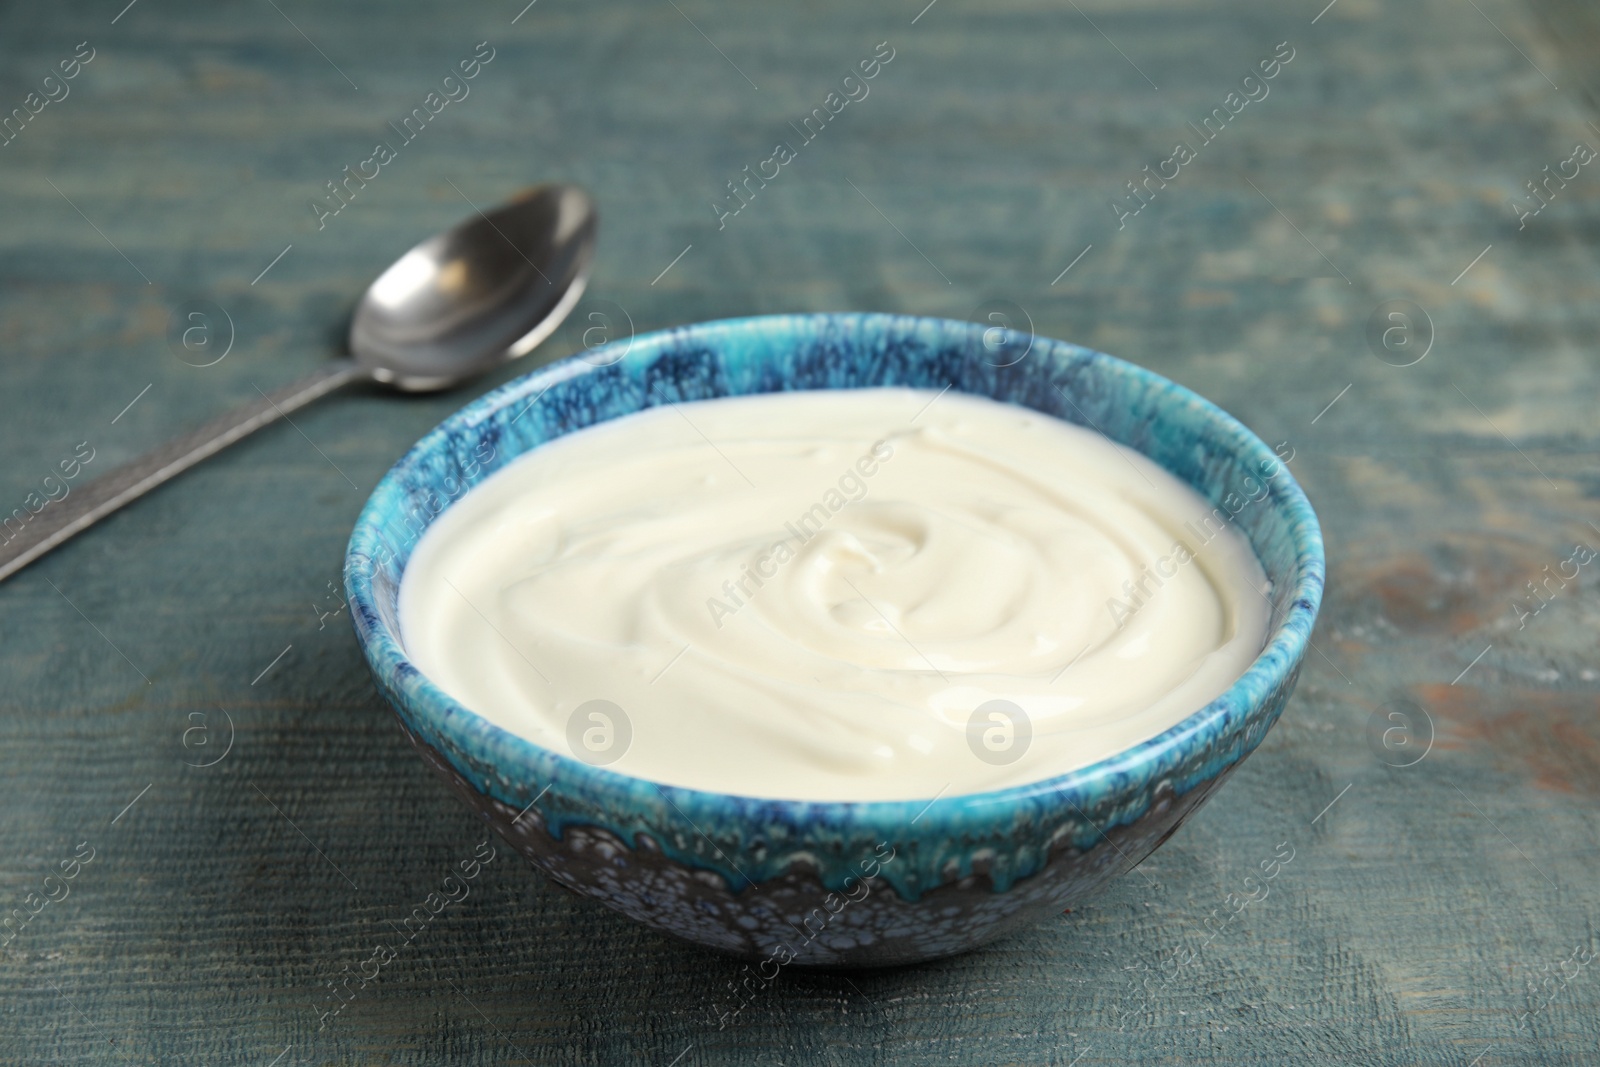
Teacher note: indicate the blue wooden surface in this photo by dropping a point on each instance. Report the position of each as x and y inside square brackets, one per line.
[1432, 913]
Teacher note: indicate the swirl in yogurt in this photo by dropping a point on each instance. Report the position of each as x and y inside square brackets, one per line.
[838, 595]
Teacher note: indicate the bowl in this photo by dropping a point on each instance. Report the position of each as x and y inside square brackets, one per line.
[834, 884]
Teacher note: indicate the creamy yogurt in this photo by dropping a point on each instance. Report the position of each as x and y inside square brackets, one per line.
[838, 595]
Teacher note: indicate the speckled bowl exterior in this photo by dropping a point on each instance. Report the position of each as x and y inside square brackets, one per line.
[839, 884]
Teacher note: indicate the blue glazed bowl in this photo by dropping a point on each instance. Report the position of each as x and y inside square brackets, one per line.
[828, 883]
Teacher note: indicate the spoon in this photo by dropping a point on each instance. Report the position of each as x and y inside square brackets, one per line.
[454, 307]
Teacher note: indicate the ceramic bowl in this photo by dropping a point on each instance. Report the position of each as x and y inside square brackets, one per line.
[827, 883]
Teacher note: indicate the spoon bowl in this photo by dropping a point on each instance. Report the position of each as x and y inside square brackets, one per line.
[489, 290]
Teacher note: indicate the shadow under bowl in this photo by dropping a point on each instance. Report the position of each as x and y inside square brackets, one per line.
[836, 884]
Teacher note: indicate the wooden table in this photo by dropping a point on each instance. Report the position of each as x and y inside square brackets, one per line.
[1433, 913]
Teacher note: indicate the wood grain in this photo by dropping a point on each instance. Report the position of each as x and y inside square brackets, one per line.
[1425, 911]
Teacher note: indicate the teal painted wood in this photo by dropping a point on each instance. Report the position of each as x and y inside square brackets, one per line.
[1427, 913]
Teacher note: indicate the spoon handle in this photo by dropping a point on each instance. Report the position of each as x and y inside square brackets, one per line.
[26, 535]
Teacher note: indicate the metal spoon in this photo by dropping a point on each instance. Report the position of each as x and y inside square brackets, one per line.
[452, 308]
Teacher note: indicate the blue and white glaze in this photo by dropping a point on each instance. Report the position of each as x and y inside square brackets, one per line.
[776, 878]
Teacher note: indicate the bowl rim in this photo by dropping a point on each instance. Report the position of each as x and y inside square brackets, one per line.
[1136, 767]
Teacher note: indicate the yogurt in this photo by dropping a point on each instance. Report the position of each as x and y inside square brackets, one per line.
[839, 595]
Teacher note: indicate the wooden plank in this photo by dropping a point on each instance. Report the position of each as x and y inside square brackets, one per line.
[1424, 910]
